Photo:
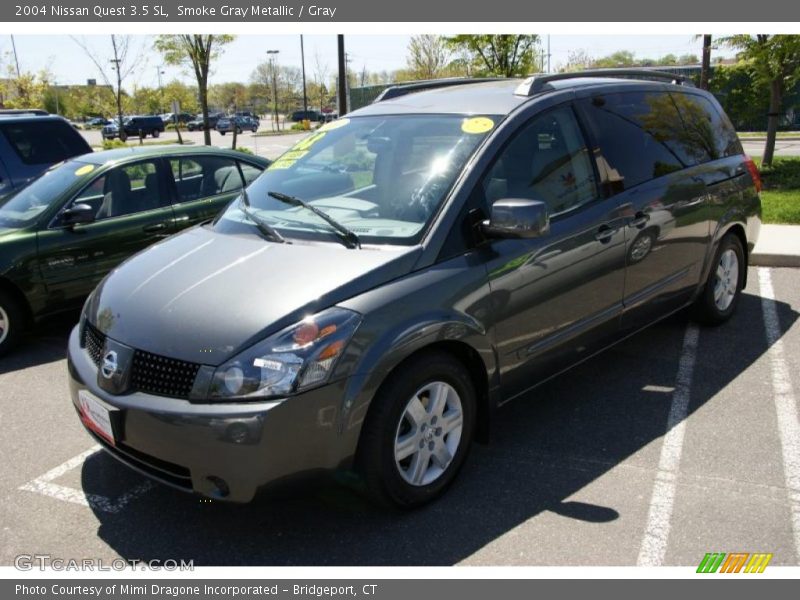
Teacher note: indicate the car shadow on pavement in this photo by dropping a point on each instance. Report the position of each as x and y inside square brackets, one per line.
[546, 447]
[46, 343]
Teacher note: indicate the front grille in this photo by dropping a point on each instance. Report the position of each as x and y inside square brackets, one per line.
[163, 376]
[150, 373]
[93, 341]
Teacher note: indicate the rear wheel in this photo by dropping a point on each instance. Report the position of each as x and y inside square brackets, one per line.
[720, 296]
[11, 322]
[156, 133]
[418, 431]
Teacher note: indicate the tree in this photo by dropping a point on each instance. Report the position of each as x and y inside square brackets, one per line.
[498, 55]
[125, 60]
[620, 58]
[774, 61]
[577, 60]
[428, 56]
[705, 69]
[26, 90]
[321, 72]
[197, 51]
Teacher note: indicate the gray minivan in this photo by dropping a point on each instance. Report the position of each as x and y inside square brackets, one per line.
[371, 299]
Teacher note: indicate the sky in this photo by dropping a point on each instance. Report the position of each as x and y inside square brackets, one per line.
[70, 65]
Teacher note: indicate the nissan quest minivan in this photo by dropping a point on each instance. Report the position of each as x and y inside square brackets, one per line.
[387, 283]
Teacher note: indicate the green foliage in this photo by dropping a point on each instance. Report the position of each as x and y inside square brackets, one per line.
[780, 198]
[781, 207]
[743, 99]
[782, 174]
[769, 57]
[115, 143]
[244, 150]
[497, 55]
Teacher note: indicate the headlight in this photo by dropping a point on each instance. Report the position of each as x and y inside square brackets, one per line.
[298, 358]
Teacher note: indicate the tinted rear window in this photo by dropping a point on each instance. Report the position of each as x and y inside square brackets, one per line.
[44, 142]
[708, 133]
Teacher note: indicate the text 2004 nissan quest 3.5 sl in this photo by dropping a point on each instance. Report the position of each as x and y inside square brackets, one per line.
[371, 298]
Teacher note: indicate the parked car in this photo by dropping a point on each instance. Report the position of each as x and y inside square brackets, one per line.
[30, 142]
[227, 124]
[151, 125]
[402, 272]
[98, 122]
[182, 118]
[311, 115]
[60, 235]
[196, 124]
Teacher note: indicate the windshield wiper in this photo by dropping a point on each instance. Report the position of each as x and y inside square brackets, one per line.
[264, 227]
[348, 236]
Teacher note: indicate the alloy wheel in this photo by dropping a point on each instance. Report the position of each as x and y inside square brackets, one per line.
[429, 433]
[726, 280]
[4, 325]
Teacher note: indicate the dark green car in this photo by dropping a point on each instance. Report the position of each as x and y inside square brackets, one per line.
[60, 235]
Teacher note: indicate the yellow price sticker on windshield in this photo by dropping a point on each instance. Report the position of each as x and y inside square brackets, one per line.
[334, 124]
[477, 125]
[84, 170]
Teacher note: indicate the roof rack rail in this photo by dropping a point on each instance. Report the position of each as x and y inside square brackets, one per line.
[23, 111]
[402, 89]
[536, 83]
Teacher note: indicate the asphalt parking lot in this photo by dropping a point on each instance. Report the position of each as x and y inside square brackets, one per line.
[270, 146]
[581, 472]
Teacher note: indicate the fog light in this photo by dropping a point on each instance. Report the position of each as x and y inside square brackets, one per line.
[221, 487]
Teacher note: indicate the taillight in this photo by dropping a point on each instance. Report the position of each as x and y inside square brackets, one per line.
[751, 166]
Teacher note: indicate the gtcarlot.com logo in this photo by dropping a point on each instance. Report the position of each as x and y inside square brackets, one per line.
[735, 562]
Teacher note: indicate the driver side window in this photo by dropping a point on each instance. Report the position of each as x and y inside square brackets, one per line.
[547, 160]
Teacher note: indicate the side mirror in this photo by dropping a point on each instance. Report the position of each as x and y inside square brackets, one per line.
[78, 214]
[517, 218]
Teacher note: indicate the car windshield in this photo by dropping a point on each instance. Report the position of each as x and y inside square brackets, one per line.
[382, 177]
[24, 207]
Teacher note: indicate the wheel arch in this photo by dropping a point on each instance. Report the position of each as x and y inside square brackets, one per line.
[12, 290]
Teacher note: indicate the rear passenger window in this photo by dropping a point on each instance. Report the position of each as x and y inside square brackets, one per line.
[44, 142]
[637, 136]
[547, 161]
[205, 176]
[707, 133]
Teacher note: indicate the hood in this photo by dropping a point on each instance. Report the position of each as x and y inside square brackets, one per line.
[203, 296]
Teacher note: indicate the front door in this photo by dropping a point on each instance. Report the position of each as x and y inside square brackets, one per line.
[132, 212]
[559, 296]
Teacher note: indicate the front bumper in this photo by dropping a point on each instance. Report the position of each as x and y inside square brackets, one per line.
[226, 451]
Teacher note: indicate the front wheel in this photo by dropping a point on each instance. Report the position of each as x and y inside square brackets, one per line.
[720, 296]
[418, 431]
[11, 322]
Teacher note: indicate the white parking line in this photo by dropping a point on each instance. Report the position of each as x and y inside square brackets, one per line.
[788, 426]
[654, 543]
[44, 485]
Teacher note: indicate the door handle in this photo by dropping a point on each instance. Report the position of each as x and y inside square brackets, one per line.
[639, 220]
[604, 234]
[155, 227]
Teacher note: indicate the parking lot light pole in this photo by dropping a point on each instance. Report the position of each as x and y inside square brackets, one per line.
[273, 69]
[303, 65]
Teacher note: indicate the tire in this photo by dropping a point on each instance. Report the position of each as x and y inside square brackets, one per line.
[222, 133]
[12, 322]
[410, 475]
[254, 129]
[720, 296]
[238, 131]
[155, 133]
